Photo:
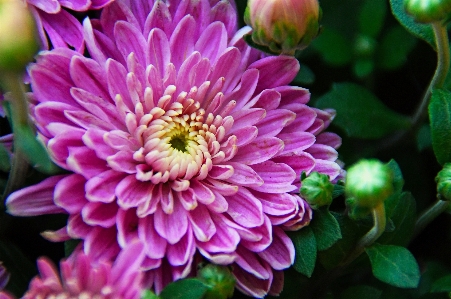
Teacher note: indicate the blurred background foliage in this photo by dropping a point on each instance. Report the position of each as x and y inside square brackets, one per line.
[373, 72]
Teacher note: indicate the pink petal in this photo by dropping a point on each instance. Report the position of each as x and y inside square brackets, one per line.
[158, 52]
[101, 188]
[264, 232]
[330, 139]
[84, 161]
[173, 226]
[296, 142]
[212, 41]
[127, 226]
[250, 284]
[63, 30]
[259, 150]
[244, 175]
[130, 192]
[155, 245]
[250, 262]
[101, 243]
[277, 177]
[182, 40]
[179, 253]
[130, 39]
[202, 193]
[276, 204]
[201, 223]
[99, 213]
[49, 6]
[280, 254]
[127, 262]
[323, 152]
[225, 239]
[69, 193]
[35, 200]
[245, 209]
[275, 71]
[274, 122]
[88, 75]
[298, 162]
[293, 94]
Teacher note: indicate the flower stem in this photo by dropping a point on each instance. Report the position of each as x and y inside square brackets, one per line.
[428, 215]
[19, 111]
[437, 81]
[443, 59]
[371, 236]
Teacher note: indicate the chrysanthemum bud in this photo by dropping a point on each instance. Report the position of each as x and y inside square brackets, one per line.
[283, 25]
[219, 279]
[368, 183]
[317, 190]
[18, 42]
[443, 180]
[428, 11]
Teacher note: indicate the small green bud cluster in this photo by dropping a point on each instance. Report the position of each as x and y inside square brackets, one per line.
[368, 184]
[317, 190]
[443, 180]
[219, 279]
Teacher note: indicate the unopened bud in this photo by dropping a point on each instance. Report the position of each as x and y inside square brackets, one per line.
[283, 26]
[368, 183]
[18, 42]
[317, 190]
[443, 180]
[428, 11]
[219, 279]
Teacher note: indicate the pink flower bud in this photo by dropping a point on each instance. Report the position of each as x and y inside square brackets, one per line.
[283, 25]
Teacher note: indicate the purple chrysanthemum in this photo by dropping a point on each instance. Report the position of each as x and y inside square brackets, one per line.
[81, 277]
[62, 28]
[179, 134]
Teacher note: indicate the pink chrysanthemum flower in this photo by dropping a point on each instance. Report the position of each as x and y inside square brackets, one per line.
[62, 28]
[179, 134]
[81, 277]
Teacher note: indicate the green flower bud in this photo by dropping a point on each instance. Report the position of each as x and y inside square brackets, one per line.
[219, 279]
[317, 190]
[428, 11]
[18, 42]
[443, 180]
[283, 26]
[368, 183]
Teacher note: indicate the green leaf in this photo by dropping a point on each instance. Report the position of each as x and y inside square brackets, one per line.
[34, 150]
[442, 285]
[330, 39]
[190, 288]
[422, 31]
[305, 250]
[403, 216]
[394, 265]
[371, 17]
[5, 163]
[424, 139]
[398, 180]
[69, 246]
[339, 190]
[147, 294]
[331, 257]
[362, 291]
[360, 113]
[304, 76]
[363, 67]
[326, 229]
[440, 117]
[396, 44]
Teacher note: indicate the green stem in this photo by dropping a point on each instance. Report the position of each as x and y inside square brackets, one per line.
[19, 110]
[437, 81]
[371, 236]
[443, 60]
[428, 215]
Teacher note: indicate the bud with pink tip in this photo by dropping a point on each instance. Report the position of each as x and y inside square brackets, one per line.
[283, 26]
